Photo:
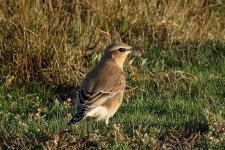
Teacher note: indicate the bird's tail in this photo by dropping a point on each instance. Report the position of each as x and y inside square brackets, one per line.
[75, 120]
[78, 116]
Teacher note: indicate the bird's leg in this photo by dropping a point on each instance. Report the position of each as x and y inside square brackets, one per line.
[107, 123]
[88, 126]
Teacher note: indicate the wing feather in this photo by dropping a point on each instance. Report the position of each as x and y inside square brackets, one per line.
[96, 89]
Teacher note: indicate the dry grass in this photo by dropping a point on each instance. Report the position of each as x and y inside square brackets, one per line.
[46, 48]
[55, 41]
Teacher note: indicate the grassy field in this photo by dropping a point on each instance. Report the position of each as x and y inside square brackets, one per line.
[175, 95]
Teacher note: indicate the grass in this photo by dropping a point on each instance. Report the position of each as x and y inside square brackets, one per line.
[175, 95]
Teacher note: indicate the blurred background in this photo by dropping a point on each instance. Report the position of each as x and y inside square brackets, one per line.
[177, 79]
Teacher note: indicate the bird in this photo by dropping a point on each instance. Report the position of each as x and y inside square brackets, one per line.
[101, 92]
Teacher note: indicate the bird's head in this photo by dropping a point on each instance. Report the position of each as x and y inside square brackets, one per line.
[118, 52]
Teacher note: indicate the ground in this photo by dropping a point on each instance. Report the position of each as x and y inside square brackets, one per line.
[175, 95]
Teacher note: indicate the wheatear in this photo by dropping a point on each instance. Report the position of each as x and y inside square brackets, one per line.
[101, 92]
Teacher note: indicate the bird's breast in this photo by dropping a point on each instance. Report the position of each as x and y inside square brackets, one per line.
[108, 109]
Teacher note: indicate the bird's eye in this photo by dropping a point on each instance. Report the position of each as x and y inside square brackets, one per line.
[122, 50]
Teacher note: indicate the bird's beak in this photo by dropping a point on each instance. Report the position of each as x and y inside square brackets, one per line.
[134, 49]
